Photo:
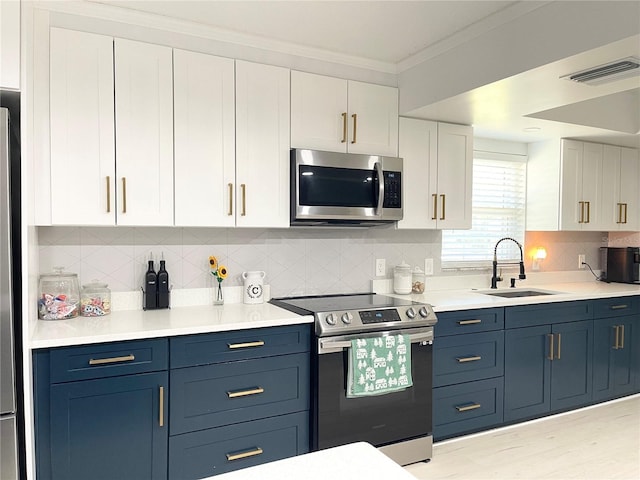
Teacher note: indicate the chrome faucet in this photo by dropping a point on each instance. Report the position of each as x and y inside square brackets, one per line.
[495, 278]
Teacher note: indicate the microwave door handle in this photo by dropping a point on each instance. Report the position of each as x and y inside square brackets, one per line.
[378, 167]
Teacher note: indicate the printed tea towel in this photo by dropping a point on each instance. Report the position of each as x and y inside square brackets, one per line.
[379, 365]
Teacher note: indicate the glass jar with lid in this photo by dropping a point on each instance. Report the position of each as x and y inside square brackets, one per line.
[95, 300]
[59, 295]
[417, 281]
[402, 279]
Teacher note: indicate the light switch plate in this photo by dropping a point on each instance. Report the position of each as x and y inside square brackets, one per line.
[428, 266]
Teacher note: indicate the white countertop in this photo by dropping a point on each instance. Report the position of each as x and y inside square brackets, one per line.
[184, 320]
[137, 324]
[354, 461]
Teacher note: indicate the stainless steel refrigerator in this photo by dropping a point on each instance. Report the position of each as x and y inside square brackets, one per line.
[9, 298]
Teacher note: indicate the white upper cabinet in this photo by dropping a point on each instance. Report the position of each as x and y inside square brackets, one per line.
[621, 195]
[82, 129]
[144, 133]
[343, 116]
[437, 174]
[10, 44]
[204, 139]
[262, 145]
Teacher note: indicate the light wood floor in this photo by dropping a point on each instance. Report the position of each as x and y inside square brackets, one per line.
[594, 443]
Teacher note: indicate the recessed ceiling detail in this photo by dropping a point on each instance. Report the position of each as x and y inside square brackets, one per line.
[609, 72]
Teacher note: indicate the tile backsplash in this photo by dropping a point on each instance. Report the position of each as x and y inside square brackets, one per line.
[297, 261]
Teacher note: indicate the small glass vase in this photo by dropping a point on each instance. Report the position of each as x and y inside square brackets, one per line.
[218, 299]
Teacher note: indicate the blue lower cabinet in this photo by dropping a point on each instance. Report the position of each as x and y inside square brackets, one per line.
[218, 450]
[615, 357]
[111, 428]
[467, 407]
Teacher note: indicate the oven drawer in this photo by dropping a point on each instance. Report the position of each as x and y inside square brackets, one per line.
[239, 345]
[223, 449]
[108, 360]
[464, 358]
[467, 407]
[222, 394]
[469, 321]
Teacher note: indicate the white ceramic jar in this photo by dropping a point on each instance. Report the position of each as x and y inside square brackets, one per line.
[402, 279]
[253, 291]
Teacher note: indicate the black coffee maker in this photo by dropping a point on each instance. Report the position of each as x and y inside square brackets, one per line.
[620, 264]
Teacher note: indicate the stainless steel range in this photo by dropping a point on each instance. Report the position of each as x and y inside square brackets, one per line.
[399, 423]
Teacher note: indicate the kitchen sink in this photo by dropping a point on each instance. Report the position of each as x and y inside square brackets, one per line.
[518, 293]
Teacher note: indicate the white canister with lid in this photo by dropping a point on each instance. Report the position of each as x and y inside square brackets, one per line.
[402, 279]
[253, 291]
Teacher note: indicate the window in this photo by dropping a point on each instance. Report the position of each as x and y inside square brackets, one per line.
[498, 210]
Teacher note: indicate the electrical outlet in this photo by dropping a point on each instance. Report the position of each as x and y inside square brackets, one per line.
[381, 267]
[428, 266]
[581, 260]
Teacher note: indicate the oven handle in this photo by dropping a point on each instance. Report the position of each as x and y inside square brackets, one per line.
[378, 166]
[331, 346]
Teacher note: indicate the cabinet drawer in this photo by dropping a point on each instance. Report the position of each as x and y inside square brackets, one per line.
[467, 407]
[547, 313]
[464, 358]
[108, 360]
[219, 450]
[616, 307]
[469, 321]
[222, 394]
[238, 345]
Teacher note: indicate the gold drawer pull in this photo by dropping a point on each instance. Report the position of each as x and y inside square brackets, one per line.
[344, 128]
[469, 322]
[617, 333]
[355, 126]
[619, 307]
[466, 408]
[435, 206]
[230, 185]
[124, 195]
[468, 359]
[244, 393]
[161, 407]
[108, 194]
[621, 336]
[550, 338]
[239, 456]
[259, 343]
[102, 361]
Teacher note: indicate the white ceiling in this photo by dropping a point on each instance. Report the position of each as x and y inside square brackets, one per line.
[396, 34]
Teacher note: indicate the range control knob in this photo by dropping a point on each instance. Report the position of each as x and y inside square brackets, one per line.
[424, 313]
[411, 313]
[347, 317]
[331, 319]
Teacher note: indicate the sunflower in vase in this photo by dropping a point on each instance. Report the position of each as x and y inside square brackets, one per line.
[219, 272]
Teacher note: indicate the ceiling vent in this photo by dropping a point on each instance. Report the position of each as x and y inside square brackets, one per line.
[609, 72]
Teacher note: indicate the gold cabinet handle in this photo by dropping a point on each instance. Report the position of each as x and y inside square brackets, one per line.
[435, 206]
[559, 345]
[124, 195]
[621, 306]
[355, 126]
[581, 212]
[230, 199]
[550, 337]
[103, 361]
[625, 212]
[108, 194]
[621, 336]
[344, 128]
[466, 408]
[258, 343]
[245, 393]
[475, 358]
[243, 188]
[475, 321]
[161, 407]
[617, 337]
[619, 213]
[588, 212]
[248, 453]
[443, 198]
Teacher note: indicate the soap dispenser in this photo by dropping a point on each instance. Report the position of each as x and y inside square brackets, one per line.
[150, 287]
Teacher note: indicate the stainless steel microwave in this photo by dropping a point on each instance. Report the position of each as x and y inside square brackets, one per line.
[344, 189]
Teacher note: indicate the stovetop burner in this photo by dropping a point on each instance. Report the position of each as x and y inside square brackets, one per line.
[360, 312]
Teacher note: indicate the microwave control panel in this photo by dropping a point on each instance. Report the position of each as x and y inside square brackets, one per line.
[392, 190]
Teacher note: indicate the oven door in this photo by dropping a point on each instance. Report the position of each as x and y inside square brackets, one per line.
[381, 419]
[344, 187]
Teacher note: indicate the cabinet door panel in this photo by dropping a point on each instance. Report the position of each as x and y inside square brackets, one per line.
[614, 357]
[144, 133]
[629, 191]
[318, 104]
[262, 145]
[527, 372]
[374, 130]
[571, 210]
[204, 129]
[592, 185]
[82, 129]
[109, 428]
[571, 368]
